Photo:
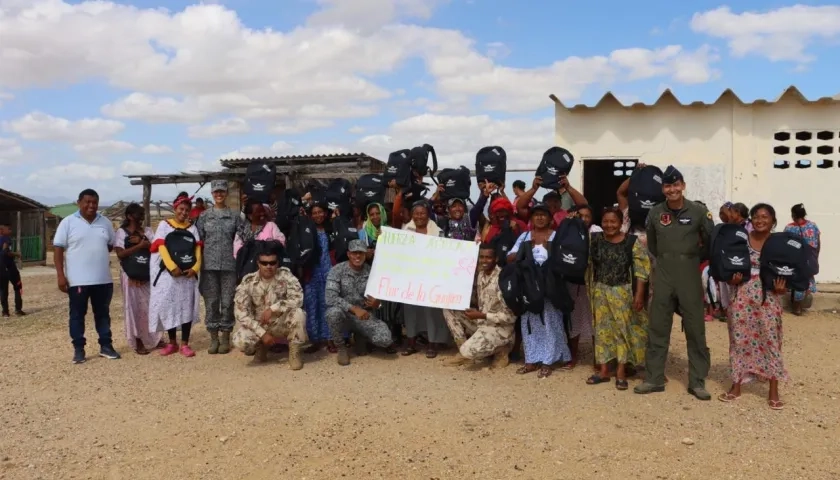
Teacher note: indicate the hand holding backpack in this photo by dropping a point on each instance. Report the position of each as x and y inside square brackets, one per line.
[456, 183]
[729, 253]
[370, 189]
[260, 178]
[398, 169]
[556, 163]
[136, 266]
[644, 192]
[491, 165]
[180, 243]
[420, 160]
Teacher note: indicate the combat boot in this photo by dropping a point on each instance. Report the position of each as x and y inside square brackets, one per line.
[214, 343]
[295, 360]
[224, 342]
[501, 358]
[260, 353]
[343, 355]
[458, 359]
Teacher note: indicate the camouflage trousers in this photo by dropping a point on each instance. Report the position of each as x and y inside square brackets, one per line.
[373, 329]
[483, 340]
[291, 326]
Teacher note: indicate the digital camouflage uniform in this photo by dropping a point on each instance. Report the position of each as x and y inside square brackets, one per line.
[283, 295]
[487, 335]
[217, 282]
[678, 240]
[346, 288]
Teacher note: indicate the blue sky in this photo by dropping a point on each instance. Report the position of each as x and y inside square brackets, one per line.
[92, 91]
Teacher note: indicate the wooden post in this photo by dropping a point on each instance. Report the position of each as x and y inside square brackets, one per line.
[147, 198]
[43, 222]
[18, 230]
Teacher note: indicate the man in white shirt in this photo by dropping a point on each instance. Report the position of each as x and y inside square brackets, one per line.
[83, 244]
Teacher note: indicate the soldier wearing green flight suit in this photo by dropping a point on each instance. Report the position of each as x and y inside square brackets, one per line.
[678, 232]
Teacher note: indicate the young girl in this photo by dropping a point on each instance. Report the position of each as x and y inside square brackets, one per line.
[174, 293]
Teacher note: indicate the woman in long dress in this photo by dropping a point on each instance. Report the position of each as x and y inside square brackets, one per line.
[618, 261]
[810, 234]
[755, 320]
[424, 319]
[174, 294]
[131, 237]
[315, 287]
[544, 336]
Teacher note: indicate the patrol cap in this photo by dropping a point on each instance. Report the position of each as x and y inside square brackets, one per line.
[219, 186]
[357, 246]
[671, 176]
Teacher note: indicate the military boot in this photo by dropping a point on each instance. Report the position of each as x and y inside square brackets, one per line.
[458, 359]
[224, 342]
[214, 343]
[343, 355]
[260, 353]
[501, 358]
[295, 360]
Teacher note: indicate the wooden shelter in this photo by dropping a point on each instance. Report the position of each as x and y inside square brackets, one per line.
[292, 171]
[27, 219]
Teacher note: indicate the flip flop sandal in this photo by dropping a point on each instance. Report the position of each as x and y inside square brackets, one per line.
[408, 351]
[621, 384]
[545, 372]
[727, 397]
[597, 380]
[776, 404]
[431, 353]
[568, 366]
[390, 350]
[141, 351]
[527, 369]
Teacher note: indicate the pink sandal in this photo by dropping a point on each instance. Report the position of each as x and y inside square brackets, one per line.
[187, 351]
[169, 349]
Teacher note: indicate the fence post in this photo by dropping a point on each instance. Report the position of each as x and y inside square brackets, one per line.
[18, 229]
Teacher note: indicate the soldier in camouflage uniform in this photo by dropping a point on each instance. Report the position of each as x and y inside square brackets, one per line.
[348, 308]
[268, 305]
[490, 326]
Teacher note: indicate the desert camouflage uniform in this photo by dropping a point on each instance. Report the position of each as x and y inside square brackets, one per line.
[283, 295]
[488, 334]
[346, 288]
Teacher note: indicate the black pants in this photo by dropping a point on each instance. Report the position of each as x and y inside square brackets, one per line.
[99, 297]
[10, 277]
[185, 333]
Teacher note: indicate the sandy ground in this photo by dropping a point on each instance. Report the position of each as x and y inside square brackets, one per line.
[214, 417]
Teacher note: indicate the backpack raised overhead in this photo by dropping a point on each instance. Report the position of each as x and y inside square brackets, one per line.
[456, 183]
[644, 192]
[556, 163]
[260, 178]
[491, 165]
[370, 189]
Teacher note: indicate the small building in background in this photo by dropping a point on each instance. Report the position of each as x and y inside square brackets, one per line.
[29, 229]
[783, 152]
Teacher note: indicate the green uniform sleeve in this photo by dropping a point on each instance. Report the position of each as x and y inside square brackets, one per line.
[650, 229]
[706, 227]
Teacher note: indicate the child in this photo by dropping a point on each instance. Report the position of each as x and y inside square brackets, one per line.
[9, 273]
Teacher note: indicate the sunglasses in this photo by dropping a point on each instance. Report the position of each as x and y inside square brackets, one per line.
[272, 263]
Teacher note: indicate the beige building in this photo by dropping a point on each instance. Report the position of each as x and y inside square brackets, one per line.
[782, 152]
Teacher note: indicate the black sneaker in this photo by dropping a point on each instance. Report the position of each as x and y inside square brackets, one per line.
[79, 356]
[107, 351]
[6, 314]
[20, 313]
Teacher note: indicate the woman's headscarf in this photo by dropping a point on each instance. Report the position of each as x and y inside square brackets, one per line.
[370, 229]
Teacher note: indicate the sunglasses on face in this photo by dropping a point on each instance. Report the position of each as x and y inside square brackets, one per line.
[272, 263]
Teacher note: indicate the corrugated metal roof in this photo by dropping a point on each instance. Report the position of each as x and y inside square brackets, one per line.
[17, 201]
[292, 160]
[668, 97]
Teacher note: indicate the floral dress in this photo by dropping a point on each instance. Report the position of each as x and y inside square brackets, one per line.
[810, 233]
[755, 330]
[314, 294]
[620, 332]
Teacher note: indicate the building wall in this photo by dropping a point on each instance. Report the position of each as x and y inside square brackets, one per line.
[726, 137]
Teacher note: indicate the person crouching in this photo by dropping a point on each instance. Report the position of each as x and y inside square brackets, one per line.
[491, 325]
[349, 308]
[267, 305]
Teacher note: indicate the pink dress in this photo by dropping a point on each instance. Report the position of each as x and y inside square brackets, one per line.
[269, 231]
[136, 303]
[755, 330]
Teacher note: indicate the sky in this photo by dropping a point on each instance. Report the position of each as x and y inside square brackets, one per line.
[91, 91]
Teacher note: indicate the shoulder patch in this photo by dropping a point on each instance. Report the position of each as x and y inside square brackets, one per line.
[709, 215]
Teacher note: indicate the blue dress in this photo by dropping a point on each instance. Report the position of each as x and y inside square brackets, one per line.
[314, 294]
[545, 343]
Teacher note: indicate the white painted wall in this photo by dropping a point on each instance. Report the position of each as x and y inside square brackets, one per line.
[727, 137]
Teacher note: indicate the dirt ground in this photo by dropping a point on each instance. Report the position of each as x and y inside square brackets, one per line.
[215, 417]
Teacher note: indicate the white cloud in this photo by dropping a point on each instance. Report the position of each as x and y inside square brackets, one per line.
[780, 34]
[153, 109]
[5, 97]
[253, 151]
[300, 126]
[41, 126]
[356, 130]
[9, 150]
[229, 126]
[497, 50]
[368, 15]
[103, 147]
[156, 149]
[59, 175]
[131, 167]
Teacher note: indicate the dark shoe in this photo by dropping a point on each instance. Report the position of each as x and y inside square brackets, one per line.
[360, 346]
[224, 343]
[700, 393]
[343, 356]
[214, 343]
[107, 351]
[79, 355]
[645, 388]
[20, 313]
[260, 353]
[6, 314]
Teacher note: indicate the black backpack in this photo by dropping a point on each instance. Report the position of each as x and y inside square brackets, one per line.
[180, 244]
[415, 192]
[813, 253]
[339, 195]
[533, 279]
[569, 256]
[136, 266]
[644, 192]
[420, 160]
[510, 284]
[398, 168]
[343, 232]
[302, 247]
[370, 188]
[556, 163]
[729, 253]
[288, 209]
[503, 242]
[456, 183]
[785, 255]
[491, 165]
[259, 181]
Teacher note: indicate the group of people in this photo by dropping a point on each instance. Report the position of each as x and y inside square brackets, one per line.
[639, 276]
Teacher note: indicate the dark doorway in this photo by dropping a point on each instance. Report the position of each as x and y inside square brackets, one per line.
[601, 179]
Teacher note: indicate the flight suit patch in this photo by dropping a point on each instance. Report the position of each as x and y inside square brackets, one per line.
[685, 221]
[665, 219]
[709, 215]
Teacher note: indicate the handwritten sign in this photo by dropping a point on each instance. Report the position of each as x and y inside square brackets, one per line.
[422, 270]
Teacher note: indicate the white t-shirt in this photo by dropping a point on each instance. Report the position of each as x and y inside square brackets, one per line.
[86, 249]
